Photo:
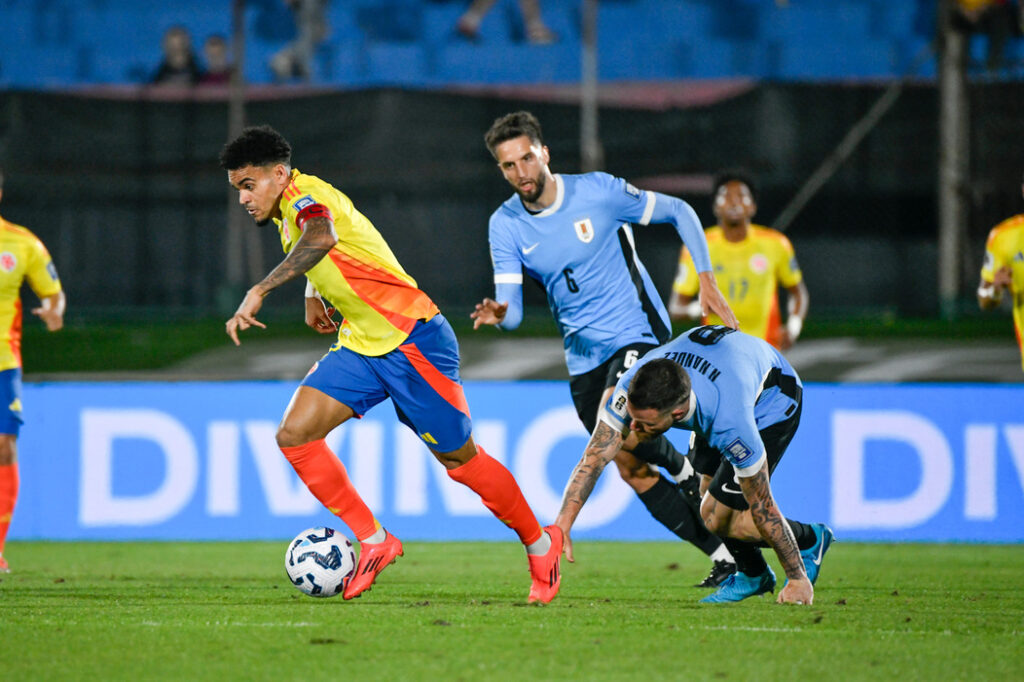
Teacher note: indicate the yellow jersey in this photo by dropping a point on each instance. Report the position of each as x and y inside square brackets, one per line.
[359, 276]
[22, 257]
[749, 273]
[1005, 247]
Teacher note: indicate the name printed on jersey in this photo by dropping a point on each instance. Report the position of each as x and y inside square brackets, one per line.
[303, 202]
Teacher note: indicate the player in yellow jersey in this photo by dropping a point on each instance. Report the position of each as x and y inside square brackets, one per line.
[1003, 270]
[22, 258]
[392, 343]
[750, 263]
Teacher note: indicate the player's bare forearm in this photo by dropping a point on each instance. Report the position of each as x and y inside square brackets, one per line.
[318, 238]
[602, 448]
[771, 524]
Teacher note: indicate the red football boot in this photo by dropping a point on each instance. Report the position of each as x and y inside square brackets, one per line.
[372, 560]
[544, 569]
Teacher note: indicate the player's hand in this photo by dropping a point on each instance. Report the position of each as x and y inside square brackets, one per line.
[711, 299]
[798, 591]
[566, 543]
[318, 316]
[785, 342]
[245, 316]
[53, 319]
[488, 311]
[1002, 277]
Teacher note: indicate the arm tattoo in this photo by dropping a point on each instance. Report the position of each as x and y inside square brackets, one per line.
[601, 449]
[770, 523]
[317, 239]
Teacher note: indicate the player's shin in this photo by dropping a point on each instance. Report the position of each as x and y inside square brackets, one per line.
[500, 493]
[326, 477]
[8, 497]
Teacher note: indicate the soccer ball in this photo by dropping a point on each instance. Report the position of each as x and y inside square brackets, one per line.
[320, 561]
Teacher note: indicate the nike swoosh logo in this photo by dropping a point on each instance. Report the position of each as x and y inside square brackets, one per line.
[529, 249]
[727, 489]
[821, 552]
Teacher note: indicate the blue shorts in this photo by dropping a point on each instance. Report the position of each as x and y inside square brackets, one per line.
[10, 401]
[421, 377]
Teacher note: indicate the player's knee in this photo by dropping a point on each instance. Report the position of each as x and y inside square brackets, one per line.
[288, 436]
[8, 449]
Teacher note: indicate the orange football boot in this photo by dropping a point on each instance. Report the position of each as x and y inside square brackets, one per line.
[544, 568]
[373, 558]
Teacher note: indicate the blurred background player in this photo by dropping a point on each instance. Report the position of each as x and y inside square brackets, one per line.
[743, 401]
[1003, 270]
[572, 234]
[22, 258]
[751, 262]
[393, 342]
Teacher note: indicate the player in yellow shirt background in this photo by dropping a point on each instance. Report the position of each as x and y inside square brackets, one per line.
[22, 258]
[750, 263]
[1003, 270]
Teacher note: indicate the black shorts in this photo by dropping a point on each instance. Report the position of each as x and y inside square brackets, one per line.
[725, 486]
[587, 388]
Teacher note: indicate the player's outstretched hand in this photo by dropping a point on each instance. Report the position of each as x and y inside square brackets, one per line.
[567, 544]
[318, 316]
[245, 316]
[798, 591]
[712, 299]
[52, 318]
[488, 311]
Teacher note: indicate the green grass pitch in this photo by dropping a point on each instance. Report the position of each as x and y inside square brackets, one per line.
[457, 611]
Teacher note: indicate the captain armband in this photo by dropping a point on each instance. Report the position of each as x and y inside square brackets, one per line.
[310, 212]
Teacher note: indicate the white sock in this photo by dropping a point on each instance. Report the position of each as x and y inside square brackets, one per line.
[541, 546]
[722, 554]
[379, 536]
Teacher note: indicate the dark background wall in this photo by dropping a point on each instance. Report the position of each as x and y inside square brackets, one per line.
[125, 189]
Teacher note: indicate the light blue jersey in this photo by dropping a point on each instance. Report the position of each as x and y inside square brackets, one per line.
[738, 388]
[581, 250]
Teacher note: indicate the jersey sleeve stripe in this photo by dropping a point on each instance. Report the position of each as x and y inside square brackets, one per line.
[649, 208]
[508, 278]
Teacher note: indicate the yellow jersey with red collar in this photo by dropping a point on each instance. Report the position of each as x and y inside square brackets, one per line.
[1005, 248]
[749, 273]
[359, 276]
[22, 257]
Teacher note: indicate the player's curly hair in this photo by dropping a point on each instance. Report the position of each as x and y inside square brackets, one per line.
[256, 146]
[660, 385]
[735, 175]
[511, 126]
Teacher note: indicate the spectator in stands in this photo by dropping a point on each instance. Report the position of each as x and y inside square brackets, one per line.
[179, 65]
[998, 19]
[537, 32]
[295, 60]
[218, 68]
[1003, 270]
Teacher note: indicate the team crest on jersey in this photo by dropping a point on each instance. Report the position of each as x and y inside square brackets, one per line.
[759, 263]
[584, 230]
[303, 202]
[632, 191]
[8, 261]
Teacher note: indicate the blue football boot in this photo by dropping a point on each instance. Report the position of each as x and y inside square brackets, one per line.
[812, 557]
[739, 586]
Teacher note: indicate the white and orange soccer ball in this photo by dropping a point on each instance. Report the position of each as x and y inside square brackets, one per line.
[320, 561]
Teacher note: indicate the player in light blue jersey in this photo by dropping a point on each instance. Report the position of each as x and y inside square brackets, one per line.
[573, 234]
[743, 401]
